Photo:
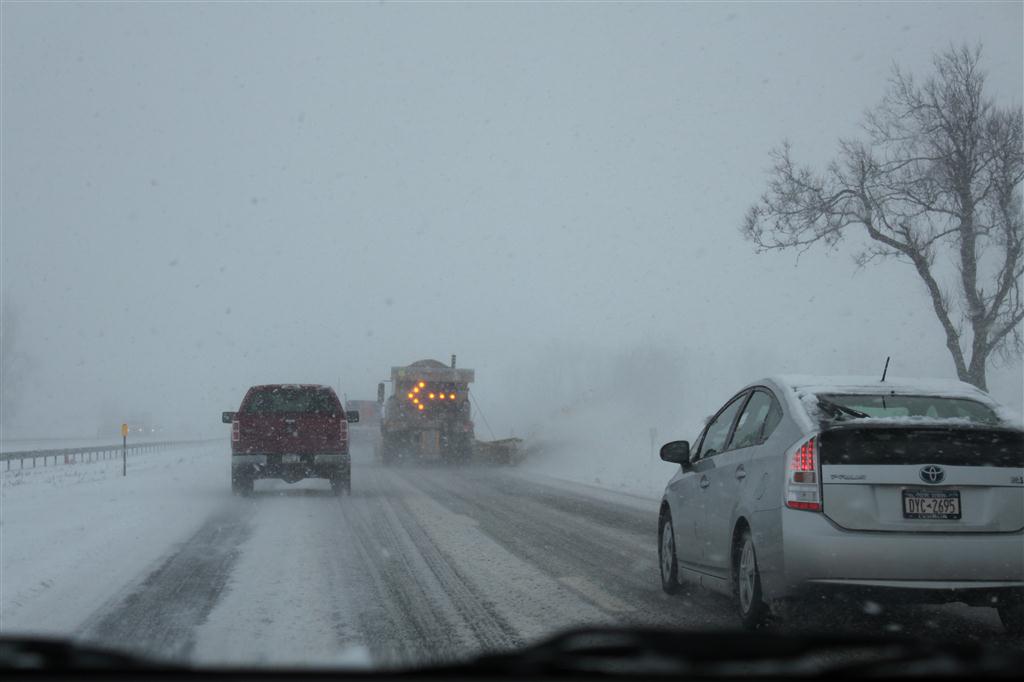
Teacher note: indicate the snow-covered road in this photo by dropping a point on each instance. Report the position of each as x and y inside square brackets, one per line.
[419, 564]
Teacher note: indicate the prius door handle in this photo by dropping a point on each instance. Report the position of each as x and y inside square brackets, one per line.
[704, 482]
[740, 472]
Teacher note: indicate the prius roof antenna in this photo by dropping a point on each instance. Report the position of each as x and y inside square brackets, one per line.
[886, 370]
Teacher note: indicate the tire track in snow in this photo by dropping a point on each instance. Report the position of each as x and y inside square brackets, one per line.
[160, 614]
[422, 606]
[402, 615]
[289, 600]
[501, 599]
[490, 629]
[606, 554]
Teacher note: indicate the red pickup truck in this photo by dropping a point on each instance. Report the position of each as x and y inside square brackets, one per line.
[290, 432]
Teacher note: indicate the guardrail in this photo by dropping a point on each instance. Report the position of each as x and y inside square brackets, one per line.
[92, 453]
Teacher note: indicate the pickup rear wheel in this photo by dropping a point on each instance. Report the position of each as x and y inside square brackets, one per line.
[242, 485]
[342, 483]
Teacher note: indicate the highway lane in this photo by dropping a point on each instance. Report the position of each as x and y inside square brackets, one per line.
[427, 564]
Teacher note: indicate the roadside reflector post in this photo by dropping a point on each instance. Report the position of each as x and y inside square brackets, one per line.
[124, 449]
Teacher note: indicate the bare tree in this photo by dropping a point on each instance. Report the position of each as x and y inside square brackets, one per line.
[935, 182]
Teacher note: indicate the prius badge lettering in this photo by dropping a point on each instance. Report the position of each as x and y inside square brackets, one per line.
[932, 474]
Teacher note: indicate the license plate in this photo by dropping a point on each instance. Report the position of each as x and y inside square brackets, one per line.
[291, 459]
[931, 504]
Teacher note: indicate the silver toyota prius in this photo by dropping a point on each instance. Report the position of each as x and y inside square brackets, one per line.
[800, 486]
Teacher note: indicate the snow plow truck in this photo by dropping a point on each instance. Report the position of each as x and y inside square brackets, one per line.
[428, 417]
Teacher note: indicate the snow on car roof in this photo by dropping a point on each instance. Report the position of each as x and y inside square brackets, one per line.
[804, 390]
[804, 383]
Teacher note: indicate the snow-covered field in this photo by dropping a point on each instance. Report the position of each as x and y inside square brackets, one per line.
[599, 447]
[603, 466]
[72, 537]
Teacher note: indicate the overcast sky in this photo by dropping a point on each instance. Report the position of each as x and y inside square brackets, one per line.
[197, 198]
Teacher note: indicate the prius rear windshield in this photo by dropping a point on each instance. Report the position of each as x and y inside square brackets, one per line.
[846, 407]
[291, 400]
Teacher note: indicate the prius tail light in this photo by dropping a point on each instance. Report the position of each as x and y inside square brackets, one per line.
[803, 477]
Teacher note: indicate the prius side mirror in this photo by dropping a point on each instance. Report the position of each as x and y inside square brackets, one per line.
[676, 452]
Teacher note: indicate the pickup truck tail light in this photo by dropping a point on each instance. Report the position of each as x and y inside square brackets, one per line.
[236, 431]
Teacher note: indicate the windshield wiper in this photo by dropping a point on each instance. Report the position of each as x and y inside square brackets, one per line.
[839, 411]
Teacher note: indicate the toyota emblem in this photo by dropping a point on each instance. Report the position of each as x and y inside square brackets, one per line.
[932, 474]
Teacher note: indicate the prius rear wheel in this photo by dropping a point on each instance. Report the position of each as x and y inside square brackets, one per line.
[753, 611]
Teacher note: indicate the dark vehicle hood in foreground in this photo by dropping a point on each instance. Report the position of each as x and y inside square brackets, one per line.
[611, 652]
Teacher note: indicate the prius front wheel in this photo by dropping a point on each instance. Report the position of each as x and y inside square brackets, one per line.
[667, 555]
